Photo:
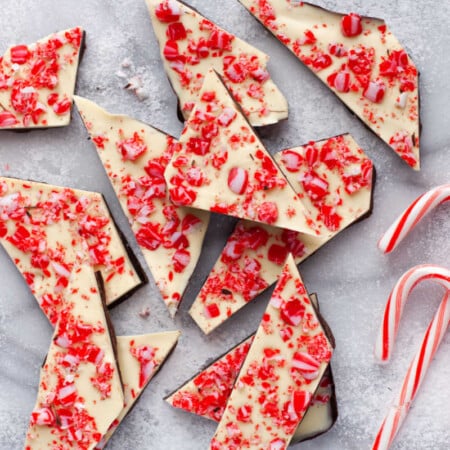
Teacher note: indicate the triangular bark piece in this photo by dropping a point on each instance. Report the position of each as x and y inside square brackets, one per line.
[37, 81]
[80, 391]
[191, 45]
[140, 358]
[286, 361]
[29, 210]
[334, 179]
[360, 60]
[222, 166]
[135, 156]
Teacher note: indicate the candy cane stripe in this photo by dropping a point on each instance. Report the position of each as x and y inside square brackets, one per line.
[412, 215]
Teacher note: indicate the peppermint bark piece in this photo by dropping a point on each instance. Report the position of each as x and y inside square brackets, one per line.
[37, 81]
[286, 361]
[207, 393]
[135, 156]
[222, 166]
[80, 392]
[41, 227]
[334, 178]
[360, 60]
[140, 358]
[191, 44]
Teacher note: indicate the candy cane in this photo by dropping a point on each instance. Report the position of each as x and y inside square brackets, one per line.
[397, 300]
[414, 377]
[413, 214]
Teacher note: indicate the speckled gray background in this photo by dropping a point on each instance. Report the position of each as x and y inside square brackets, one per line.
[352, 277]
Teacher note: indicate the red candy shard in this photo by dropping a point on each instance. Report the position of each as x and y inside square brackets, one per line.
[191, 44]
[359, 59]
[135, 157]
[351, 25]
[36, 75]
[238, 180]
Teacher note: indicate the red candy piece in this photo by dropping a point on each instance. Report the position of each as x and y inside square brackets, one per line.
[351, 25]
[268, 212]
[132, 147]
[375, 91]
[340, 81]
[168, 11]
[307, 365]
[238, 180]
[20, 54]
[292, 312]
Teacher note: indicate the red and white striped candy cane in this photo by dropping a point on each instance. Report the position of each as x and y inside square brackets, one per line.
[414, 377]
[413, 214]
[396, 303]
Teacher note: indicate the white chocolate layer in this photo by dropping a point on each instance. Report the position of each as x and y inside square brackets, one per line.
[38, 80]
[222, 166]
[333, 177]
[202, 45]
[134, 156]
[369, 70]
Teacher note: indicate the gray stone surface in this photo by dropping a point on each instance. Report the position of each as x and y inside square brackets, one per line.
[351, 276]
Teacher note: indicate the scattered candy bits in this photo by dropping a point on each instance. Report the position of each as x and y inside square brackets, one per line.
[334, 179]
[222, 166]
[191, 45]
[135, 156]
[284, 366]
[37, 81]
[359, 59]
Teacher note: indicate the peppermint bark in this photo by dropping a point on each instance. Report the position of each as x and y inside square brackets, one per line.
[135, 157]
[334, 179]
[222, 166]
[283, 368]
[191, 45]
[360, 60]
[80, 391]
[37, 81]
[40, 228]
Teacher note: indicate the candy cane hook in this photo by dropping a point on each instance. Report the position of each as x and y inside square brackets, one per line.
[397, 300]
[412, 215]
[414, 377]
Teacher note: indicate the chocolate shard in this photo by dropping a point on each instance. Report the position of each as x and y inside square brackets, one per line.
[191, 44]
[38, 89]
[135, 156]
[80, 391]
[30, 209]
[360, 60]
[283, 368]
